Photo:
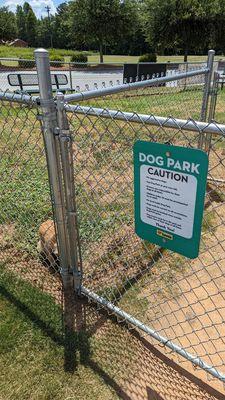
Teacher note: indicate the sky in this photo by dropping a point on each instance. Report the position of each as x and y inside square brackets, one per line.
[37, 5]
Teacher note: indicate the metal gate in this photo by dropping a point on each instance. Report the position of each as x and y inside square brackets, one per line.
[88, 139]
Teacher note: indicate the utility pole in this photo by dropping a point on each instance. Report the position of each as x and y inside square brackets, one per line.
[48, 9]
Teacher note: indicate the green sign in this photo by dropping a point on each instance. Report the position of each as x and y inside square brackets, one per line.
[169, 189]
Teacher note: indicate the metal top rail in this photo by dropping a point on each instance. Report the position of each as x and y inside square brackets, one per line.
[165, 122]
[132, 86]
[19, 98]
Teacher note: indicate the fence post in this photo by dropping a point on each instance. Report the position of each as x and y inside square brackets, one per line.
[49, 129]
[66, 149]
[206, 93]
[212, 108]
[186, 70]
[71, 78]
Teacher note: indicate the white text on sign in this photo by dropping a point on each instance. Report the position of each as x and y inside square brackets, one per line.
[184, 166]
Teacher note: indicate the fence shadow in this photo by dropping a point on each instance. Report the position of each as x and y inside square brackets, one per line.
[126, 362]
[136, 369]
[153, 395]
[33, 316]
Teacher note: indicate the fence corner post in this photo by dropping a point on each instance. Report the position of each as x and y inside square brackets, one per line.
[49, 129]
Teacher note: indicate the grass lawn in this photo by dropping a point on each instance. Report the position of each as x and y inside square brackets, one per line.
[134, 59]
[32, 349]
[16, 52]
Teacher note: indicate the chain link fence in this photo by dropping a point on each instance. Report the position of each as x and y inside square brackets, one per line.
[182, 301]
[90, 76]
[166, 297]
[29, 277]
[217, 112]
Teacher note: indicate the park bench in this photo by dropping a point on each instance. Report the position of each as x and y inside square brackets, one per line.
[28, 83]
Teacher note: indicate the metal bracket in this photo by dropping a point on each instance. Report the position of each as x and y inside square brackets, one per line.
[73, 275]
[40, 117]
[45, 116]
[77, 281]
[56, 131]
[63, 133]
[67, 277]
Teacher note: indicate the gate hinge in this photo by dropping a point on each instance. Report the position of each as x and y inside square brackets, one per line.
[213, 91]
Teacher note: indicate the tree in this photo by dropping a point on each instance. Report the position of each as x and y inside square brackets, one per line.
[101, 22]
[132, 41]
[42, 33]
[21, 23]
[31, 28]
[26, 8]
[8, 29]
[26, 24]
[217, 25]
[179, 24]
[62, 26]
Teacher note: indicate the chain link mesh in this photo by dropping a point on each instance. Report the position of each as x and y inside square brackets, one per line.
[181, 98]
[28, 258]
[179, 298]
[219, 114]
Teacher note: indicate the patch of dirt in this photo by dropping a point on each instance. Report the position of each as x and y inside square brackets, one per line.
[217, 163]
[137, 369]
[7, 232]
[157, 378]
[117, 258]
[192, 315]
[26, 267]
[186, 299]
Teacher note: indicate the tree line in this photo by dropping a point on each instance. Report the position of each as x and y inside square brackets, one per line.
[130, 27]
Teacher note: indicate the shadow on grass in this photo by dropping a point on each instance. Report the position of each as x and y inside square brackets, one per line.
[80, 321]
[74, 341]
[25, 309]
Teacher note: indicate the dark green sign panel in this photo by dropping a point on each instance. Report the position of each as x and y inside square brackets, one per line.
[169, 189]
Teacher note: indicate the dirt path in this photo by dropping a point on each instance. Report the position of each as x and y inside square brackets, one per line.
[137, 370]
[194, 316]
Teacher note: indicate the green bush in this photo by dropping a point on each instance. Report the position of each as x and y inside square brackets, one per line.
[28, 62]
[79, 58]
[53, 60]
[149, 57]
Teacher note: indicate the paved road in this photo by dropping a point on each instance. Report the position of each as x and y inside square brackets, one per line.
[80, 79]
